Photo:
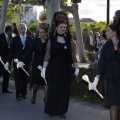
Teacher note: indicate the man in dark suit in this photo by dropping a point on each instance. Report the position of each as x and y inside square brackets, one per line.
[89, 42]
[5, 40]
[28, 33]
[20, 44]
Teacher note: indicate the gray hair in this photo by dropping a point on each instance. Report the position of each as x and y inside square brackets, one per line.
[25, 22]
[23, 25]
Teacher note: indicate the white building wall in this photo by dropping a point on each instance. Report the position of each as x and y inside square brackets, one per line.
[32, 14]
[39, 9]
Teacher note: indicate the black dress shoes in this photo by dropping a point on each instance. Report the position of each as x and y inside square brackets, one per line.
[18, 99]
[24, 97]
[32, 101]
[6, 91]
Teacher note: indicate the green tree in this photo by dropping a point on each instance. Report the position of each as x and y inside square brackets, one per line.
[11, 17]
[33, 27]
[95, 27]
[3, 14]
[73, 31]
[43, 16]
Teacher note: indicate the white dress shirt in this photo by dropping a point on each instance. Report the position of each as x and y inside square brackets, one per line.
[91, 40]
[23, 39]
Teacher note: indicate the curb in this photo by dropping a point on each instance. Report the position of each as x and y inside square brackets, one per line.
[96, 110]
[83, 65]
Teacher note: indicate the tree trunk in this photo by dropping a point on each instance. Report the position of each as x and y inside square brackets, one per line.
[78, 32]
[3, 14]
[74, 10]
[52, 6]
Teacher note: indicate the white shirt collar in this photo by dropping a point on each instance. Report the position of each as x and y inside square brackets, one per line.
[21, 36]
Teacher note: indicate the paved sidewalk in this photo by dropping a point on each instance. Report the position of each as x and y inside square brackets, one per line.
[95, 110]
[83, 65]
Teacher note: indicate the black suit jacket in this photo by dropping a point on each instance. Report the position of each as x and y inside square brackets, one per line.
[17, 51]
[28, 33]
[4, 47]
[87, 44]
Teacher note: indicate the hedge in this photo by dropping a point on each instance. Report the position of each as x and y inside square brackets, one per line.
[80, 90]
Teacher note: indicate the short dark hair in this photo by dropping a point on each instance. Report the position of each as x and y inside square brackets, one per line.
[103, 34]
[8, 28]
[116, 28]
[14, 24]
[117, 14]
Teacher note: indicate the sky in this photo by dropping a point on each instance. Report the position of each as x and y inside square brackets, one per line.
[97, 10]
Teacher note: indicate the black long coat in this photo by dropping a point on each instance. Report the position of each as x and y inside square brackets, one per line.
[109, 63]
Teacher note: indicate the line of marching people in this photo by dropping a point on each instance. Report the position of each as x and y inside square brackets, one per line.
[54, 57]
[21, 48]
[52, 60]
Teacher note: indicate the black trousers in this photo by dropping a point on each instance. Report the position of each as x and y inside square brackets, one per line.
[5, 80]
[20, 82]
[4, 73]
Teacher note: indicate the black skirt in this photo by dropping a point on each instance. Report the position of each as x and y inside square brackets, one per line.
[112, 92]
[38, 80]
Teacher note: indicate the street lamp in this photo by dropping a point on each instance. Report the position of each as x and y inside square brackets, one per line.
[108, 11]
[76, 1]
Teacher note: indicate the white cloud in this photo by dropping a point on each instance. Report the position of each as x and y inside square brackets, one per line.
[97, 9]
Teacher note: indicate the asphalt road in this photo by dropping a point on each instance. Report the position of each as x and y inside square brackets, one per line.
[10, 109]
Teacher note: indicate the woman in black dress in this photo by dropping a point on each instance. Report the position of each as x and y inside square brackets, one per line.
[58, 61]
[38, 49]
[110, 63]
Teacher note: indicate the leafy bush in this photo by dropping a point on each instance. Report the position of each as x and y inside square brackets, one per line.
[90, 56]
[33, 27]
[80, 90]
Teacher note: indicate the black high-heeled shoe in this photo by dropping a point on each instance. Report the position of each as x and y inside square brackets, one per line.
[62, 116]
[32, 101]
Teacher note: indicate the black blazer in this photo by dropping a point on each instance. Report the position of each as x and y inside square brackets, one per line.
[17, 51]
[28, 33]
[109, 61]
[4, 47]
[39, 50]
[87, 43]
